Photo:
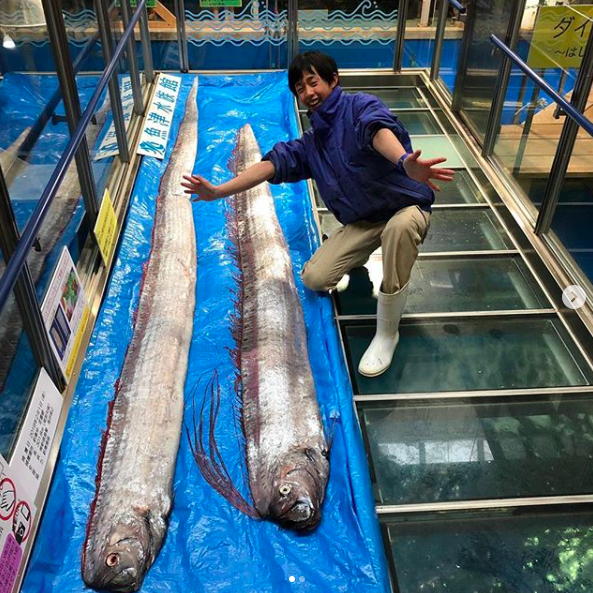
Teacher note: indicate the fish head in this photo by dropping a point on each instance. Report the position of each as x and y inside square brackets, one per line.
[122, 561]
[299, 488]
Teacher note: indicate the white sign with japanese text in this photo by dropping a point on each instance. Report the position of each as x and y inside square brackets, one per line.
[109, 145]
[155, 134]
[16, 519]
[37, 434]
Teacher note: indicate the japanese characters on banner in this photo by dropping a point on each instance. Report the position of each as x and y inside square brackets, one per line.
[16, 518]
[65, 312]
[155, 134]
[108, 145]
[32, 449]
[560, 35]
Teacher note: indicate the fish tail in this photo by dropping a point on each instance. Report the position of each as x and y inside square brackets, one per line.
[207, 455]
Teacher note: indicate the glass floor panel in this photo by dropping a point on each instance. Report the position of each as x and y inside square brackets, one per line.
[496, 553]
[396, 98]
[469, 450]
[449, 285]
[462, 190]
[477, 354]
[419, 122]
[442, 146]
[451, 230]
[465, 230]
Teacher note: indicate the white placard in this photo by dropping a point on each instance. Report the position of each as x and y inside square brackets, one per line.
[108, 145]
[16, 518]
[65, 312]
[155, 133]
[37, 434]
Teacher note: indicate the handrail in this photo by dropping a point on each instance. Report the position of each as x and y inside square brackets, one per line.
[458, 6]
[574, 114]
[19, 257]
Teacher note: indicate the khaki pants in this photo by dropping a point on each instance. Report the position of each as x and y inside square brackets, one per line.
[352, 245]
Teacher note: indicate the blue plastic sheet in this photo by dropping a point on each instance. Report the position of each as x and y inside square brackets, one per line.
[211, 547]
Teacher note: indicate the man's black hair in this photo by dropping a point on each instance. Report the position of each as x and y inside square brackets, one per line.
[310, 62]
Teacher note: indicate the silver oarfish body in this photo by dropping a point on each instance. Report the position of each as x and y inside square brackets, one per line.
[286, 447]
[129, 515]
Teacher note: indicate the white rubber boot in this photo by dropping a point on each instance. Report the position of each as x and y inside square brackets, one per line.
[377, 358]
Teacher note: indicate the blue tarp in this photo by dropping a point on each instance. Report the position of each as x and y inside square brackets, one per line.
[210, 546]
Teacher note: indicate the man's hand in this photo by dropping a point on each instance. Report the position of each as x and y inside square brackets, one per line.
[424, 170]
[202, 188]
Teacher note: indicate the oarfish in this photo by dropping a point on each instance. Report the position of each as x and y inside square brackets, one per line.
[129, 516]
[286, 448]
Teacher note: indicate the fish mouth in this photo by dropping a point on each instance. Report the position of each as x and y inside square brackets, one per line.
[302, 516]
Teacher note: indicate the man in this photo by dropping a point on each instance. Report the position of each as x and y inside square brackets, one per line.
[368, 176]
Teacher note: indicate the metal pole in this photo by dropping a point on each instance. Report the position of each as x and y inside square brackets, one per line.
[398, 52]
[580, 95]
[468, 31]
[114, 93]
[24, 292]
[146, 45]
[181, 35]
[502, 81]
[561, 83]
[439, 39]
[65, 71]
[293, 30]
[533, 103]
[126, 15]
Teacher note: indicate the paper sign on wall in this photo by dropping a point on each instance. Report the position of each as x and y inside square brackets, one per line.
[108, 146]
[559, 36]
[65, 312]
[37, 434]
[155, 134]
[16, 519]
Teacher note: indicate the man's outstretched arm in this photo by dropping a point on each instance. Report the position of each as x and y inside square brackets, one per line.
[206, 191]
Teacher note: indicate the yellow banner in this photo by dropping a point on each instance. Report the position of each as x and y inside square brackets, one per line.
[106, 228]
[77, 341]
[559, 36]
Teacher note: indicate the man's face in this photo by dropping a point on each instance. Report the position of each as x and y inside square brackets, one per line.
[312, 90]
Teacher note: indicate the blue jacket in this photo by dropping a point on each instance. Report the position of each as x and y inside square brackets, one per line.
[355, 182]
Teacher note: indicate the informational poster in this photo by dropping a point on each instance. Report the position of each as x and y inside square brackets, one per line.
[16, 518]
[65, 312]
[106, 228]
[155, 134]
[220, 3]
[109, 145]
[37, 434]
[560, 35]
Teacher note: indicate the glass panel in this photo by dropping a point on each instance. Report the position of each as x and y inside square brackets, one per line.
[494, 553]
[439, 146]
[395, 98]
[434, 356]
[356, 33]
[467, 449]
[420, 122]
[449, 285]
[478, 69]
[572, 224]
[457, 229]
[462, 190]
[451, 45]
[251, 36]
[18, 370]
[465, 230]
[553, 45]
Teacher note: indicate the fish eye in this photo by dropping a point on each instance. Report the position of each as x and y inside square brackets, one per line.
[112, 560]
[284, 489]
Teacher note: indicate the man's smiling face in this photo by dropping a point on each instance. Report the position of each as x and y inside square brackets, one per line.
[312, 90]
